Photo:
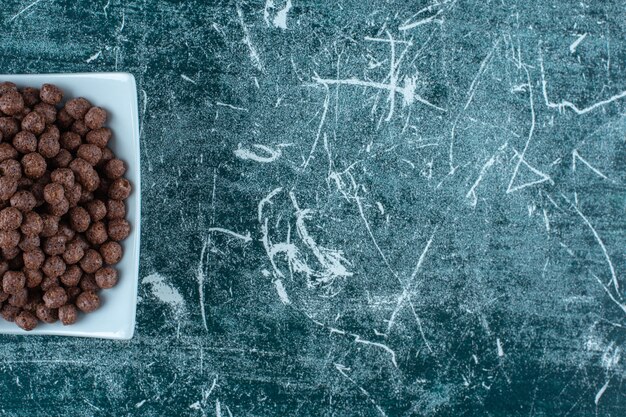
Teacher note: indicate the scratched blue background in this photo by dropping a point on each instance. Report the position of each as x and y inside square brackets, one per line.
[353, 208]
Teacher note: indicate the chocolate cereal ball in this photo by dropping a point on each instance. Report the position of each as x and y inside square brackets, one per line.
[9, 312]
[33, 277]
[8, 240]
[26, 320]
[74, 194]
[53, 266]
[90, 153]
[29, 242]
[91, 261]
[50, 225]
[20, 298]
[54, 245]
[53, 193]
[48, 111]
[79, 219]
[97, 233]
[95, 118]
[24, 201]
[88, 283]
[63, 176]
[60, 208]
[7, 86]
[51, 94]
[49, 282]
[10, 218]
[64, 120]
[116, 209]
[31, 224]
[25, 142]
[33, 165]
[45, 314]
[34, 122]
[30, 95]
[107, 155]
[9, 127]
[48, 146]
[115, 168]
[66, 231]
[97, 210]
[4, 296]
[80, 239]
[106, 277]
[79, 128]
[111, 252]
[55, 297]
[11, 168]
[77, 107]
[4, 267]
[88, 301]
[7, 151]
[72, 275]
[99, 137]
[11, 103]
[70, 141]
[118, 229]
[13, 281]
[63, 159]
[33, 259]
[68, 314]
[119, 189]
[8, 187]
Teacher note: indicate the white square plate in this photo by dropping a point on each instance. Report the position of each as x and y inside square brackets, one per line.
[117, 94]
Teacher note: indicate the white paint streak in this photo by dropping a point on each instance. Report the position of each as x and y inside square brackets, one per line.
[574, 45]
[499, 348]
[272, 154]
[254, 55]
[601, 392]
[93, 57]
[24, 9]
[280, 290]
[246, 238]
[165, 292]
[280, 20]
[184, 77]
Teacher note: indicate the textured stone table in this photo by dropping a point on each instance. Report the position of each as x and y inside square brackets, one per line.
[353, 208]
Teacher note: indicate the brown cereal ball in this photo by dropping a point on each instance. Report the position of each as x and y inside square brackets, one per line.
[51, 94]
[53, 266]
[10, 218]
[33, 259]
[106, 277]
[8, 127]
[97, 233]
[29, 242]
[90, 153]
[63, 159]
[107, 155]
[91, 261]
[9, 312]
[34, 122]
[111, 252]
[74, 194]
[31, 224]
[63, 176]
[115, 168]
[22, 114]
[53, 131]
[55, 297]
[7, 151]
[97, 210]
[119, 189]
[33, 277]
[77, 107]
[88, 283]
[11, 103]
[4, 296]
[26, 320]
[80, 239]
[4, 267]
[79, 219]
[85, 197]
[48, 146]
[9, 239]
[33, 165]
[70, 141]
[54, 245]
[11, 168]
[118, 229]
[72, 275]
[25, 142]
[66, 231]
[68, 314]
[84, 173]
[13, 281]
[8, 187]
[20, 298]
[79, 128]
[88, 301]
[53, 193]
[95, 118]
[7, 86]
[24, 201]
[45, 314]
[48, 111]
[59, 209]
[30, 95]
[49, 282]
[64, 120]
[50, 225]
[99, 137]
[116, 209]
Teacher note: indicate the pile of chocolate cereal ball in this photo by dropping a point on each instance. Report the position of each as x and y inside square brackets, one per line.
[62, 210]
